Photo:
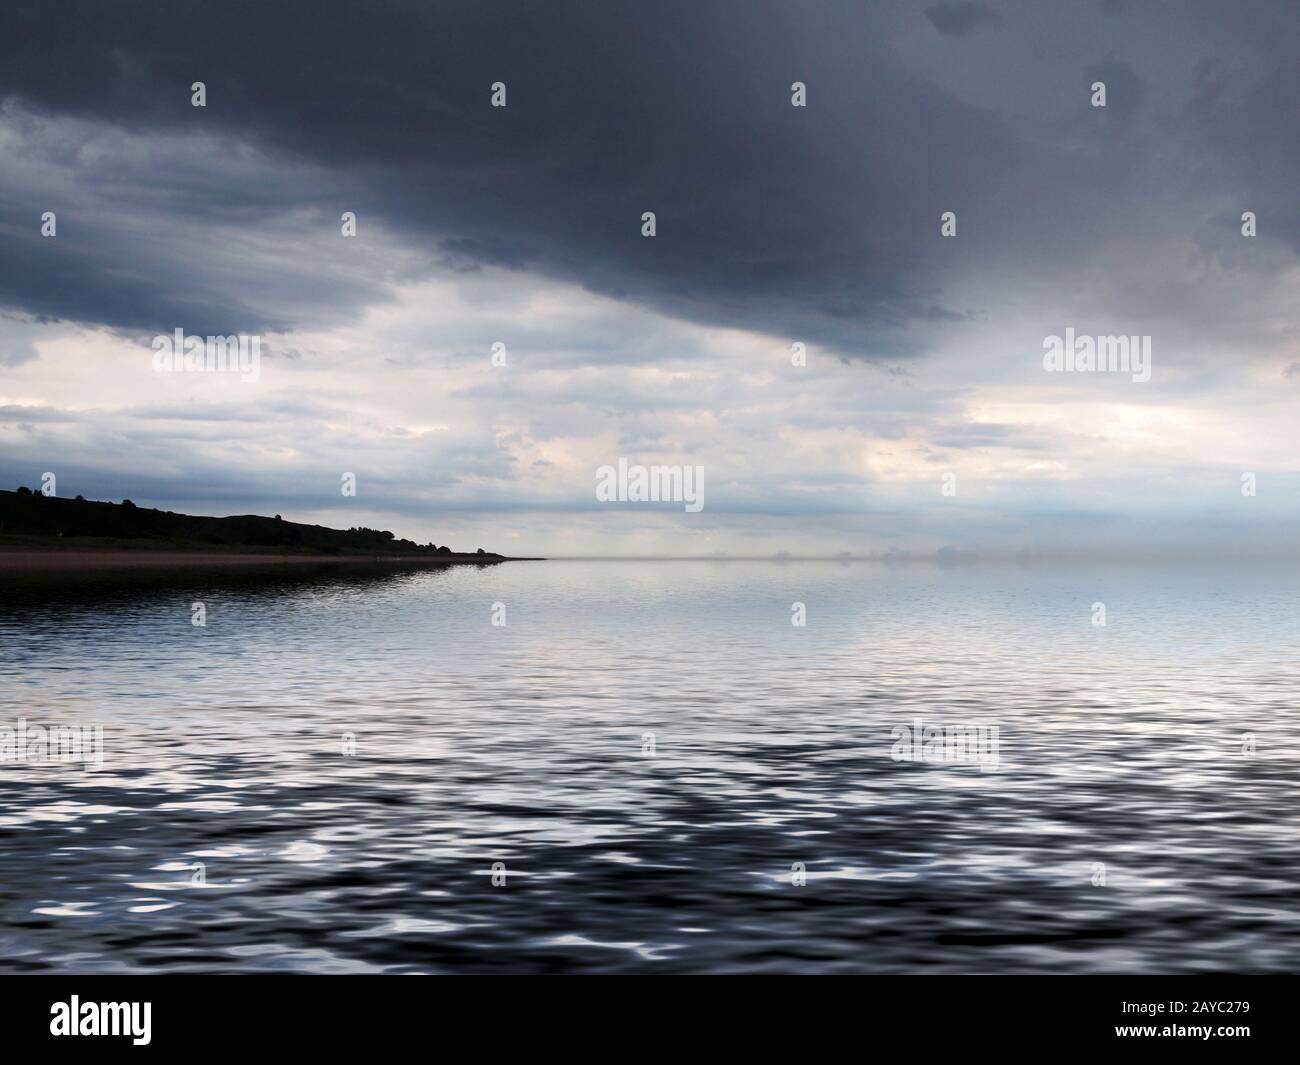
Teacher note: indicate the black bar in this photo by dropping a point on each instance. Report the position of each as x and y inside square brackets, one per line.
[985, 1015]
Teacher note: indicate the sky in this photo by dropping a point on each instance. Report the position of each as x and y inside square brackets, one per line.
[922, 418]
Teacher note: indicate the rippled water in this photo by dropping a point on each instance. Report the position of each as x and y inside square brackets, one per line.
[1142, 816]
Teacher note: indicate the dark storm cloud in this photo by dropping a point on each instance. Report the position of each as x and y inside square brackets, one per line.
[1125, 89]
[820, 223]
[957, 20]
[59, 278]
[157, 229]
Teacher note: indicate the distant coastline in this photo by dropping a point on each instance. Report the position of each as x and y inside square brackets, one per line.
[38, 531]
[12, 558]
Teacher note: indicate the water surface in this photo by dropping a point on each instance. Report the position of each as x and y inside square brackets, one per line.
[648, 749]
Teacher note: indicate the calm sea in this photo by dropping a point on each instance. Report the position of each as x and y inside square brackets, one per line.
[648, 767]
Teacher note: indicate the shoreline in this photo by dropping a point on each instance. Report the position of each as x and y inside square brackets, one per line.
[104, 558]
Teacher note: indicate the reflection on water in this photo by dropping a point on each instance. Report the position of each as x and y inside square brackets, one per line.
[649, 748]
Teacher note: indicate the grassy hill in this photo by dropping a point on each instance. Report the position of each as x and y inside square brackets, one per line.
[29, 519]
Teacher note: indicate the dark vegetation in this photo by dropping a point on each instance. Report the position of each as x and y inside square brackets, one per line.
[30, 519]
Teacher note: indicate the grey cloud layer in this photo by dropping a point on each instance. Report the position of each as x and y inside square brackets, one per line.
[819, 223]
[522, 225]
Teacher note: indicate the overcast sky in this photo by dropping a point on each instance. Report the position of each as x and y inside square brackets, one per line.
[776, 224]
